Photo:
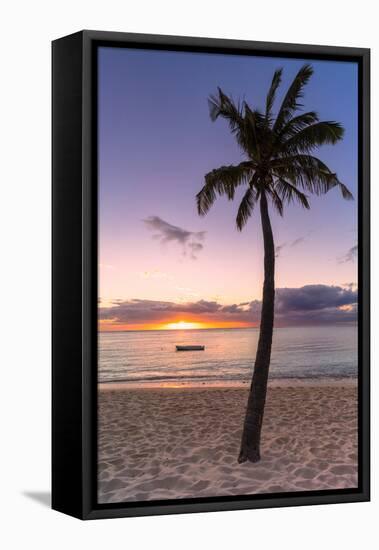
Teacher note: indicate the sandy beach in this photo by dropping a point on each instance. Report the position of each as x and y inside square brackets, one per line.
[169, 443]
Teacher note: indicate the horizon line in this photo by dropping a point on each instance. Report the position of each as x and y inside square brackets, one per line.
[343, 324]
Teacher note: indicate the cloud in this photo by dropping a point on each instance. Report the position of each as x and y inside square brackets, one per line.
[316, 304]
[308, 305]
[297, 241]
[351, 286]
[279, 248]
[195, 248]
[350, 255]
[289, 244]
[191, 241]
[141, 311]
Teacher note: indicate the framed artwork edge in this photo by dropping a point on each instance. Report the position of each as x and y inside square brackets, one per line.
[74, 275]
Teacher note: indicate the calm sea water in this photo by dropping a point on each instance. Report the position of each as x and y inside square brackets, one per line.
[150, 356]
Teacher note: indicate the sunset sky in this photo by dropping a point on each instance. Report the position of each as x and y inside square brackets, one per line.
[163, 266]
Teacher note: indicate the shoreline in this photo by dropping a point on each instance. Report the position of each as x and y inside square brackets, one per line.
[273, 383]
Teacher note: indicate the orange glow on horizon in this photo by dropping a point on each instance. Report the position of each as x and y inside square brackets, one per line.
[109, 326]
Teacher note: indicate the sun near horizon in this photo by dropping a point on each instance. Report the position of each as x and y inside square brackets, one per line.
[181, 325]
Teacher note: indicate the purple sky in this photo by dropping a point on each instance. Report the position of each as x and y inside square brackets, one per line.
[156, 142]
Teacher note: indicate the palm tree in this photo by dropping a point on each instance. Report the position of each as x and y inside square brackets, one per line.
[278, 169]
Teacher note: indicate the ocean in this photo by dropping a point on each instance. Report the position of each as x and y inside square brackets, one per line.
[150, 357]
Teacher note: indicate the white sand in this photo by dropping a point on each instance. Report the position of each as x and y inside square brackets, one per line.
[168, 443]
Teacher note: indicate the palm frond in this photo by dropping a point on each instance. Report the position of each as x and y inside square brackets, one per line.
[257, 126]
[296, 124]
[254, 115]
[255, 129]
[313, 136]
[246, 207]
[223, 106]
[276, 80]
[289, 193]
[276, 200]
[222, 181]
[291, 100]
[309, 173]
[345, 192]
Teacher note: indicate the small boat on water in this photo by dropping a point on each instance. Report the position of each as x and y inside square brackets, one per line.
[190, 348]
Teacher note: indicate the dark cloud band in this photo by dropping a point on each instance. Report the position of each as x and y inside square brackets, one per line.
[307, 305]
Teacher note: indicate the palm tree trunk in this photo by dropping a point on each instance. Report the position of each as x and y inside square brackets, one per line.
[251, 435]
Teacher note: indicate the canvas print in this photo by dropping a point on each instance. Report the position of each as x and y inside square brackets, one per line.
[227, 275]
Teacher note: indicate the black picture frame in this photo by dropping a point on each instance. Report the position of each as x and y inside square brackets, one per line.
[74, 271]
